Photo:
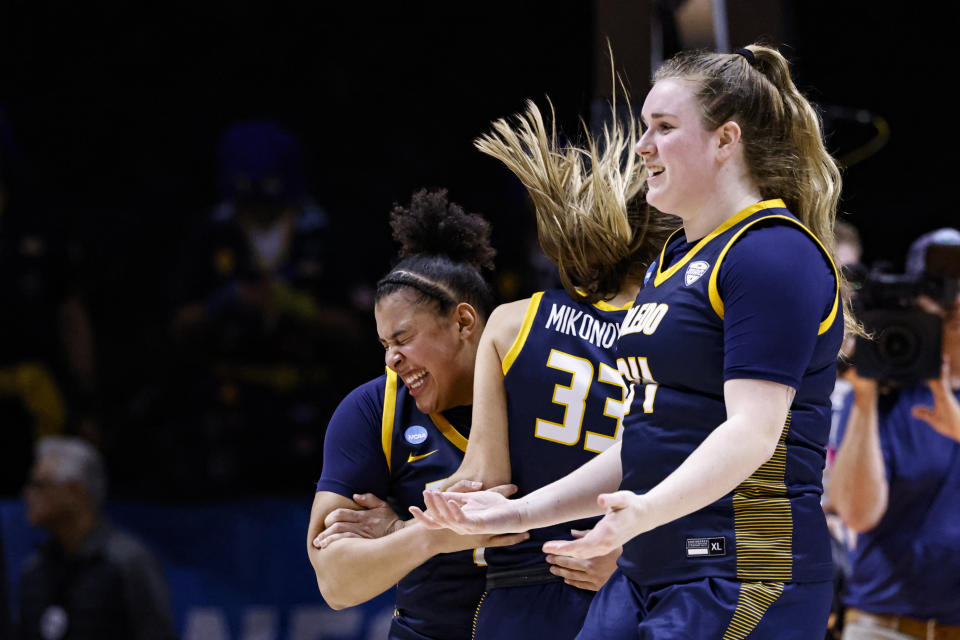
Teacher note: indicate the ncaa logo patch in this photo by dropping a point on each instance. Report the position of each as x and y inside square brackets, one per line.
[415, 435]
[694, 271]
[650, 271]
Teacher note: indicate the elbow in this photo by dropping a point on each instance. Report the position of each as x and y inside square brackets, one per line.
[335, 598]
[331, 589]
[861, 519]
[859, 513]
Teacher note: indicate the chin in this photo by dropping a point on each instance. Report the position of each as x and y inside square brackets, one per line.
[426, 405]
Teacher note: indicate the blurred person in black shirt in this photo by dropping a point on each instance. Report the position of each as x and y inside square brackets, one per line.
[88, 580]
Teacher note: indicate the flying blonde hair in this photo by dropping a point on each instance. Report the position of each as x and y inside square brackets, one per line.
[592, 219]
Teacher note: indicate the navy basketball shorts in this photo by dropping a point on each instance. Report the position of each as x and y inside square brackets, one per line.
[708, 609]
[553, 610]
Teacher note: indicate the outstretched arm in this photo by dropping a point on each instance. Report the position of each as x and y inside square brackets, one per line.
[570, 498]
[353, 570]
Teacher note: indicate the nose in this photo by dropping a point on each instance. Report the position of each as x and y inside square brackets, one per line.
[392, 357]
[644, 146]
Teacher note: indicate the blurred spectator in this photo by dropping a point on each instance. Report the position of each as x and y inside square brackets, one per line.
[267, 339]
[847, 246]
[896, 482]
[89, 580]
[47, 363]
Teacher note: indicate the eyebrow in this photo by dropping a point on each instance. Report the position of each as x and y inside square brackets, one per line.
[654, 116]
[394, 335]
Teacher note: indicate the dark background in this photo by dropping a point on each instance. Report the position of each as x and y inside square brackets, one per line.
[116, 110]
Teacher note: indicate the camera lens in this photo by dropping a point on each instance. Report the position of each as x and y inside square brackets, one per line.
[899, 345]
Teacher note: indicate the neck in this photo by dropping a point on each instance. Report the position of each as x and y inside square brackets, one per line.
[73, 532]
[733, 191]
[628, 293]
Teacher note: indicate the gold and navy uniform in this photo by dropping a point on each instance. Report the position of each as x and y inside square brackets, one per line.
[379, 442]
[565, 404]
[679, 345]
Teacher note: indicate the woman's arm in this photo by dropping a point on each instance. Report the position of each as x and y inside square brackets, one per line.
[570, 498]
[353, 570]
[756, 413]
[858, 481]
[487, 458]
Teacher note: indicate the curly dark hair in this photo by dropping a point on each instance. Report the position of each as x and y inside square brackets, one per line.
[442, 250]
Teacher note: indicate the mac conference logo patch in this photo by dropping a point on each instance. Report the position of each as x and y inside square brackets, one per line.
[415, 435]
[694, 271]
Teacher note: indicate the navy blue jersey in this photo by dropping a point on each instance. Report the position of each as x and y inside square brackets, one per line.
[379, 442]
[679, 344]
[565, 403]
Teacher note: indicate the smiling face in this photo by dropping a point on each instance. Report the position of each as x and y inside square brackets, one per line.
[432, 353]
[676, 149]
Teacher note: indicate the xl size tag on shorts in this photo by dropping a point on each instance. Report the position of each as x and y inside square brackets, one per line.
[706, 547]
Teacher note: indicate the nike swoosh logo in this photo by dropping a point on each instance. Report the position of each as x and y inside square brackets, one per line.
[414, 458]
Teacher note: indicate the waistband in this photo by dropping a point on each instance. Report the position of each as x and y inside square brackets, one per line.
[537, 574]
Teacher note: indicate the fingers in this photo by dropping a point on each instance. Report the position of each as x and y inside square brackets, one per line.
[923, 413]
[580, 584]
[342, 515]
[506, 490]
[506, 539]
[339, 528]
[424, 519]
[368, 500]
[447, 510]
[568, 562]
[331, 539]
[465, 486]
[560, 547]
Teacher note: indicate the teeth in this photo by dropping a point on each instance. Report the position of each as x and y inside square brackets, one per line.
[415, 380]
[656, 171]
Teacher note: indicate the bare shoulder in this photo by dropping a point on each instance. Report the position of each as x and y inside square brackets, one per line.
[505, 323]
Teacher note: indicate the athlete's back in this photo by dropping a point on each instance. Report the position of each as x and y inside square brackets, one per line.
[565, 402]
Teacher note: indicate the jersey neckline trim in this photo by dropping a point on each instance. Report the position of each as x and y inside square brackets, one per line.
[662, 276]
[449, 431]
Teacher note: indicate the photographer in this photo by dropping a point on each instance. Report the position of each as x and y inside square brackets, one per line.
[896, 482]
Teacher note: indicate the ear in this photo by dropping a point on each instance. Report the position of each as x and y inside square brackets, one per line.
[728, 140]
[467, 319]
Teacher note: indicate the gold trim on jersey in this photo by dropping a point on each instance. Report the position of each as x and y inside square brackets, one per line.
[521, 338]
[389, 409]
[717, 303]
[754, 599]
[763, 520]
[662, 276]
[449, 431]
[603, 305]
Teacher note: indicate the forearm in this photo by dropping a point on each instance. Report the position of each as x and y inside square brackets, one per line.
[575, 495]
[353, 570]
[858, 482]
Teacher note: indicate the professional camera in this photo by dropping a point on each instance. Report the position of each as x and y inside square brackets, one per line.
[906, 341]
